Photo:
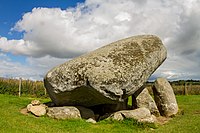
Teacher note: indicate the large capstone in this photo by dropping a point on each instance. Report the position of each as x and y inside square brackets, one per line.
[107, 75]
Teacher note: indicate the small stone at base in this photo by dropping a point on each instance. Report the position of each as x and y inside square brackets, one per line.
[90, 120]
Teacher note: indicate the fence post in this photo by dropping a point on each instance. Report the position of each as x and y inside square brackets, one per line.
[190, 89]
[185, 88]
[35, 89]
[20, 86]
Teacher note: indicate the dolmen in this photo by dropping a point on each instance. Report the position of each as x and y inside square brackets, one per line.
[102, 80]
[108, 75]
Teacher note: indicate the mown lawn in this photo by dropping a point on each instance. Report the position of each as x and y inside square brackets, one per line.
[11, 120]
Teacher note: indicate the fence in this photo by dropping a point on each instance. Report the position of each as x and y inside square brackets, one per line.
[37, 89]
[22, 87]
[182, 87]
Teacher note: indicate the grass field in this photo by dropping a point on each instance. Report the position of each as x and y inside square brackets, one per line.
[11, 120]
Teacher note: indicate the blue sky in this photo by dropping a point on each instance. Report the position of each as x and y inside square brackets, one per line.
[37, 35]
[12, 11]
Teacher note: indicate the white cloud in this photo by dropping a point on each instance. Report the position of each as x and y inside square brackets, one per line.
[55, 33]
[12, 69]
[44, 63]
[71, 32]
[35, 69]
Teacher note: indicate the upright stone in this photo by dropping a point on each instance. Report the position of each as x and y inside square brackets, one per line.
[144, 99]
[107, 75]
[165, 98]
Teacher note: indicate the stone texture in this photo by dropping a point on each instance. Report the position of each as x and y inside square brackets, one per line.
[90, 120]
[38, 110]
[29, 107]
[144, 99]
[165, 98]
[151, 119]
[117, 116]
[64, 112]
[35, 102]
[140, 114]
[107, 75]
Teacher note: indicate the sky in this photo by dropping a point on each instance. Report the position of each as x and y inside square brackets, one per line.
[37, 35]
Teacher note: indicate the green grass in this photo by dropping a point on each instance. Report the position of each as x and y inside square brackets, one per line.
[187, 123]
[11, 120]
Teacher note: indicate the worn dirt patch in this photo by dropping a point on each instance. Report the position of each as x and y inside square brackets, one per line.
[197, 112]
[24, 111]
[163, 120]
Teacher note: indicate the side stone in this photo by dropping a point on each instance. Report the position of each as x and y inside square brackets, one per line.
[64, 112]
[38, 110]
[141, 115]
[165, 98]
[28, 107]
[90, 120]
[144, 99]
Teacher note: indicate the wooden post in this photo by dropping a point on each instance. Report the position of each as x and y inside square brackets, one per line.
[35, 88]
[190, 89]
[20, 86]
[185, 89]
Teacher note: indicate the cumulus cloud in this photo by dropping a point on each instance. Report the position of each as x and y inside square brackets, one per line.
[56, 33]
[74, 31]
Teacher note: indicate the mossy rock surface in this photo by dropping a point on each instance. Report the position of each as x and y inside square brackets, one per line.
[107, 75]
